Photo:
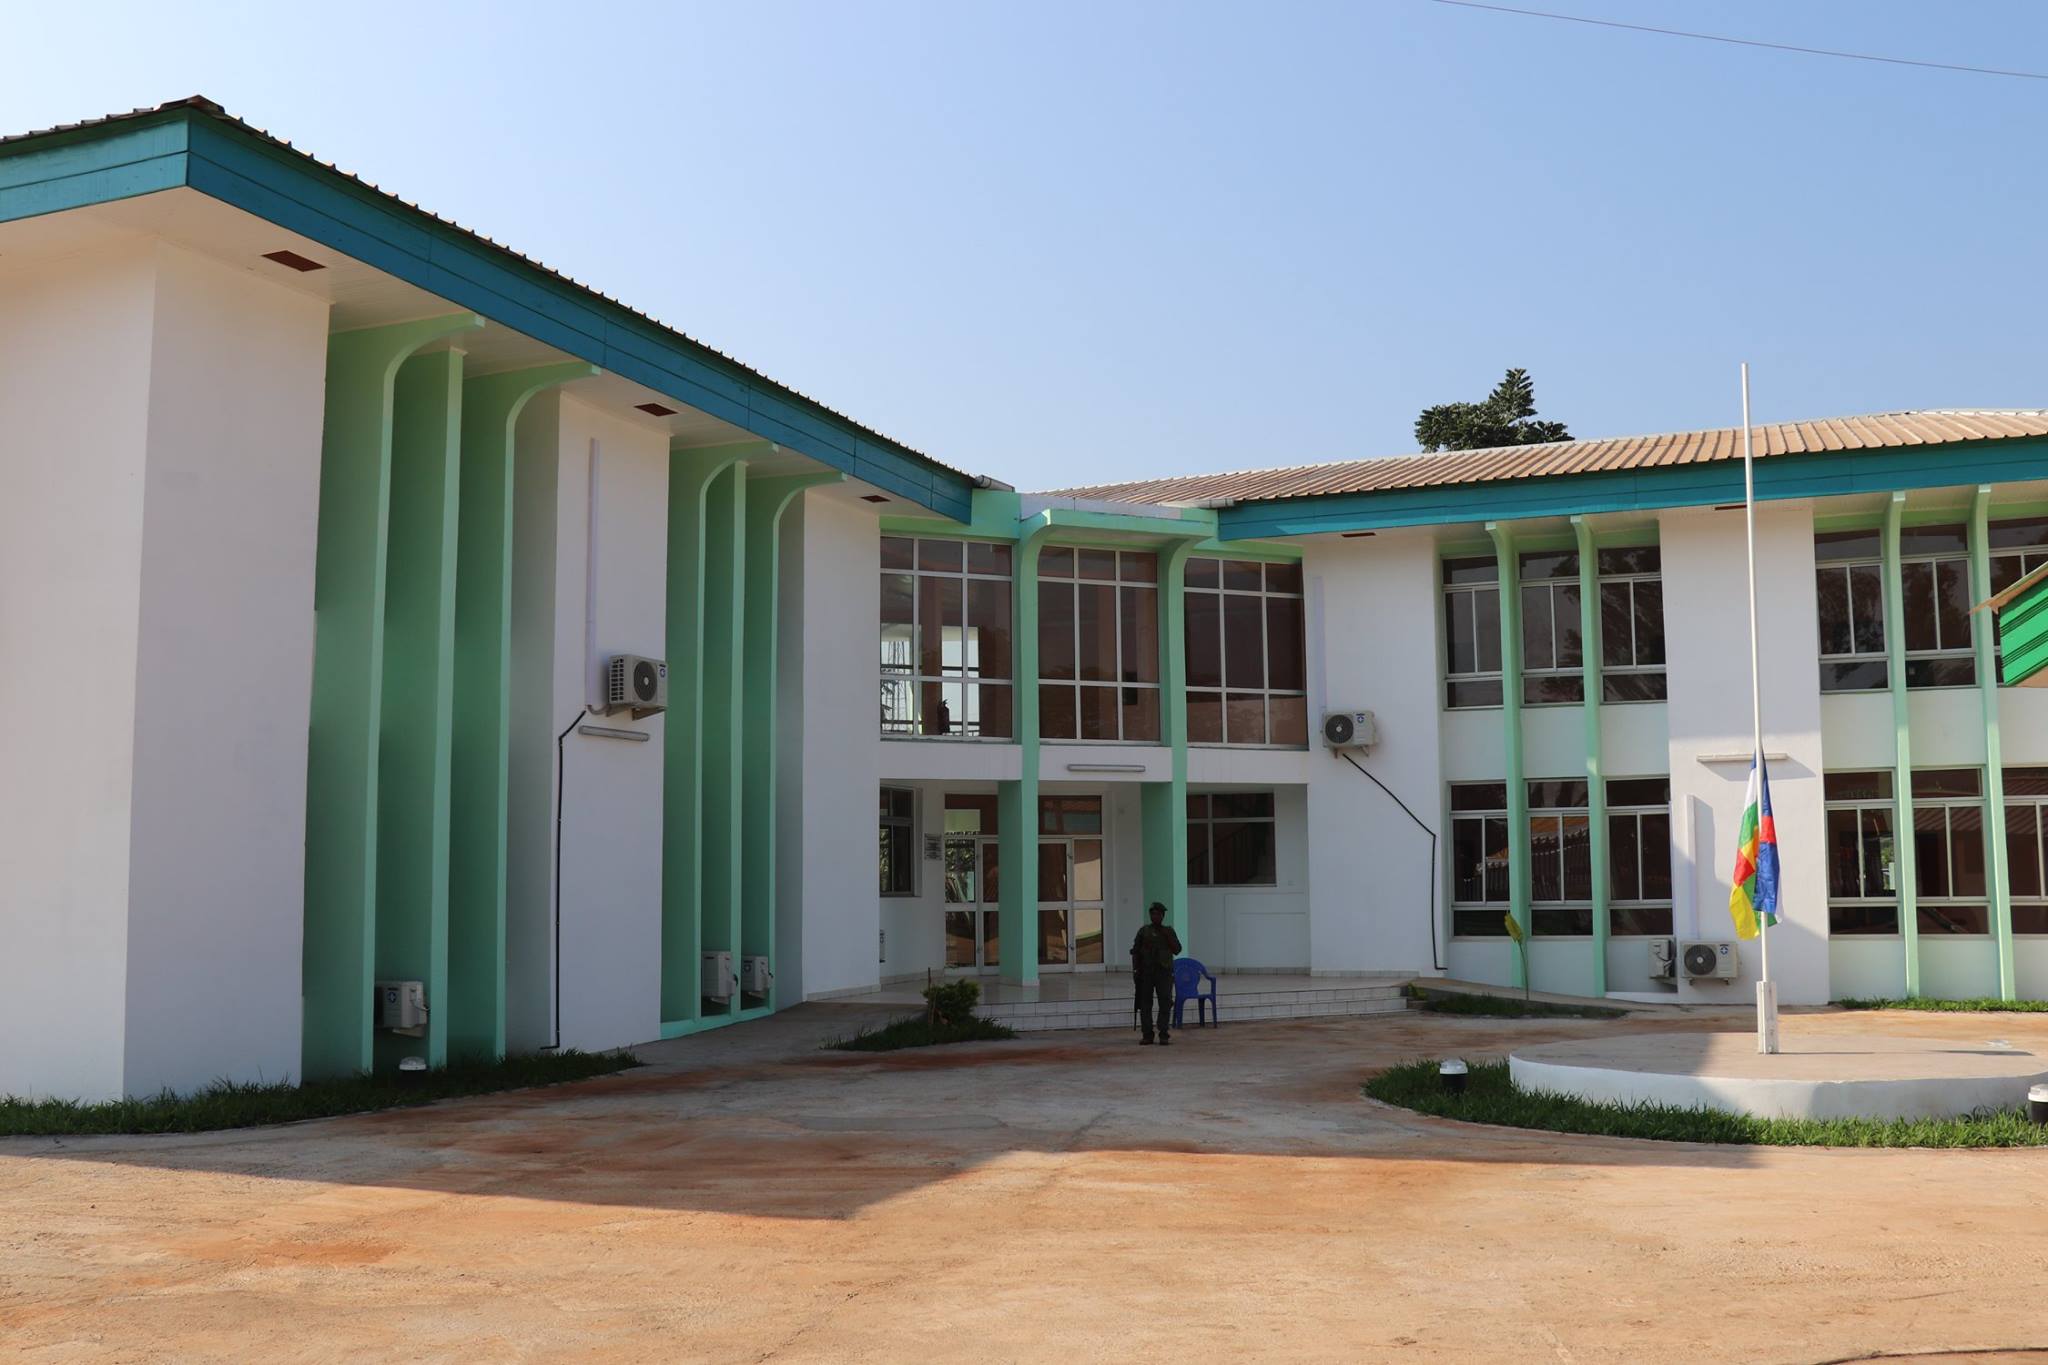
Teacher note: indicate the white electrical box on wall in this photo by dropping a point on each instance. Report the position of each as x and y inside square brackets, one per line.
[402, 1007]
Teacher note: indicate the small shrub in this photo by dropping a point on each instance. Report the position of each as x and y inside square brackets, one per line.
[951, 1003]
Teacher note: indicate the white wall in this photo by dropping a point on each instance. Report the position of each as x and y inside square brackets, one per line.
[74, 419]
[612, 788]
[159, 465]
[231, 513]
[1709, 713]
[841, 747]
[1368, 864]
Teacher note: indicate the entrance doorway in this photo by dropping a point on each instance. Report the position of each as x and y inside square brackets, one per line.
[1070, 904]
[973, 891]
[1071, 880]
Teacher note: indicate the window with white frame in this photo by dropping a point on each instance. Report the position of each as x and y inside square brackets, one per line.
[1631, 624]
[2026, 847]
[1948, 851]
[1246, 654]
[899, 841]
[1560, 859]
[1934, 595]
[1639, 856]
[1552, 653]
[945, 635]
[1232, 839]
[1479, 859]
[1471, 632]
[1862, 853]
[2017, 549]
[1849, 585]
[1098, 644]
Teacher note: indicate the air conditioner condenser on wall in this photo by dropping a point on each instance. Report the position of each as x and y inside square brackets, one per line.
[1663, 959]
[1349, 730]
[402, 1007]
[636, 684]
[1707, 961]
[754, 975]
[718, 981]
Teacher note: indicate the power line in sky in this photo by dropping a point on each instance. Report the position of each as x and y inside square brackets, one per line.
[1749, 42]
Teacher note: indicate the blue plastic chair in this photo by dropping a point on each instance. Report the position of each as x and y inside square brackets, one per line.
[1188, 976]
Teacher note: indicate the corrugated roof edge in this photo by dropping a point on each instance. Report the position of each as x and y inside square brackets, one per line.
[1224, 488]
[213, 109]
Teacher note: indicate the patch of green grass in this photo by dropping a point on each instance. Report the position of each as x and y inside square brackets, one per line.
[236, 1104]
[1503, 1006]
[1490, 1097]
[916, 1031]
[1981, 1005]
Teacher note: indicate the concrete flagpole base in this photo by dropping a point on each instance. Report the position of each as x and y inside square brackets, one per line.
[1767, 1016]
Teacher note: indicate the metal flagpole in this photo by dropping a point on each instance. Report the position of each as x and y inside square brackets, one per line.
[1766, 993]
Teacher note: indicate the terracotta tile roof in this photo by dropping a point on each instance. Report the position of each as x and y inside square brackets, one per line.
[1886, 429]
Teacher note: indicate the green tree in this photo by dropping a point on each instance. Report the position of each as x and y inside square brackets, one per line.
[1506, 417]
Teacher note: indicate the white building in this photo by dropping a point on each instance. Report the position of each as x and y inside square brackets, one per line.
[322, 521]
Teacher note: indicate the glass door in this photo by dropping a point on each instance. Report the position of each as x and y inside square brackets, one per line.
[1070, 934]
[973, 941]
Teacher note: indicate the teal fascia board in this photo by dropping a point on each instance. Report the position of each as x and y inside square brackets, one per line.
[1817, 475]
[193, 149]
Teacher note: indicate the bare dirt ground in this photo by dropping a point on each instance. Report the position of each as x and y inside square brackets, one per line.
[1074, 1198]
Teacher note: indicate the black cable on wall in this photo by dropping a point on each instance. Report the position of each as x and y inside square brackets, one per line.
[1435, 954]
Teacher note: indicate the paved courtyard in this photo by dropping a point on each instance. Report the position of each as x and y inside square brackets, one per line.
[1076, 1198]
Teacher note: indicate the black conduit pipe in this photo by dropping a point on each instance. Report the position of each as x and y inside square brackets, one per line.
[556, 1046]
[1435, 954]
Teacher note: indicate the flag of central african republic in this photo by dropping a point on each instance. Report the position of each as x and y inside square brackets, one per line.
[1753, 899]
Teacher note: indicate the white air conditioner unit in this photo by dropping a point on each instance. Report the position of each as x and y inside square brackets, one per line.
[718, 975]
[754, 975]
[1706, 961]
[1349, 730]
[402, 1007]
[1663, 959]
[635, 684]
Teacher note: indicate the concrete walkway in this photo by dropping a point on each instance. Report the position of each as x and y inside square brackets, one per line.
[1079, 1199]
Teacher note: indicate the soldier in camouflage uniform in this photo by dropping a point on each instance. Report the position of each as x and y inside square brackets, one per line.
[1152, 955]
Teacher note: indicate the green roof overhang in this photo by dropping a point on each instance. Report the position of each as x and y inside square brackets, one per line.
[189, 146]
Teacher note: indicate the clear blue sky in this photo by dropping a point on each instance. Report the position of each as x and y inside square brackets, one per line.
[1065, 242]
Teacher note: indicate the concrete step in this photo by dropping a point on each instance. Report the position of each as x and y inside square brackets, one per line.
[1086, 1014]
[1238, 1002]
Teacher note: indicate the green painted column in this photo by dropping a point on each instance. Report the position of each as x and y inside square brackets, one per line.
[766, 500]
[1997, 876]
[1017, 802]
[724, 680]
[693, 472]
[1164, 805]
[1596, 786]
[473, 1006]
[419, 649]
[346, 716]
[1510, 573]
[1905, 861]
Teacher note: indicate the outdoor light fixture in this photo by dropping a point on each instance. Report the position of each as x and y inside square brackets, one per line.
[1451, 1073]
[655, 410]
[293, 260]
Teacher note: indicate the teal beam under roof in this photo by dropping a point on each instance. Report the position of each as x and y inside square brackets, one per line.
[1822, 474]
[194, 144]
